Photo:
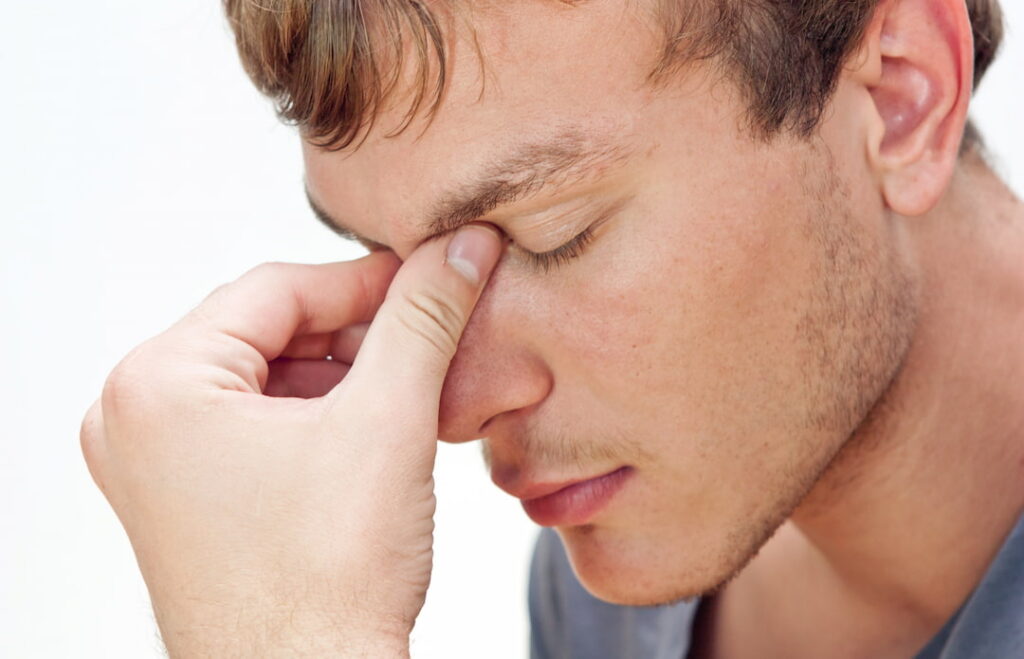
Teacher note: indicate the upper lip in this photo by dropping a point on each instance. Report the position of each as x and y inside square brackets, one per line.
[527, 490]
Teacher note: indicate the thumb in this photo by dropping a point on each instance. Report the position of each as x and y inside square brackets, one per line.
[412, 339]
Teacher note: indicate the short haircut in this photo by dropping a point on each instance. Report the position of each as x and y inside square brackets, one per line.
[330, 64]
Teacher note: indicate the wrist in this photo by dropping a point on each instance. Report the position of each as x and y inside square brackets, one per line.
[291, 633]
[295, 643]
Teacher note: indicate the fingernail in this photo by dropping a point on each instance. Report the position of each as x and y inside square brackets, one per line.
[474, 250]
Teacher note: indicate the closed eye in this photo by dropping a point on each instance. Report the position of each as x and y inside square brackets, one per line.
[561, 255]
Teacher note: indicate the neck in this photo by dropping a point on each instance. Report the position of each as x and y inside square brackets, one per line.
[915, 507]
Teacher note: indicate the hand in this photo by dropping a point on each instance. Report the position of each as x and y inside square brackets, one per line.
[271, 525]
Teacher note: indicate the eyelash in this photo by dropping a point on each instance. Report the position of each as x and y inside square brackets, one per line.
[561, 255]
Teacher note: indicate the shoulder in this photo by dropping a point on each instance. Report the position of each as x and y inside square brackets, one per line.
[991, 622]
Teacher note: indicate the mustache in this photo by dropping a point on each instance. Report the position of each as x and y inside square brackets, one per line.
[573, 451]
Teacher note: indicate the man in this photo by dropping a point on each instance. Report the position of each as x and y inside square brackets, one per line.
[726, 289]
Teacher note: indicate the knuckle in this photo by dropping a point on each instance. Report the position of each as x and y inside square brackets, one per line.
[270, 273]
[269, 269]
[91, 438]
[125, 382]
[89, 431]
[216, 293]
[433, 316]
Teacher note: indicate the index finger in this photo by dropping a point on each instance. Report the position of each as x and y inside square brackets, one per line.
[273, 302]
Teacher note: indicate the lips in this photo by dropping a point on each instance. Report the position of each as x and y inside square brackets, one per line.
[571, 503]
[537, 490]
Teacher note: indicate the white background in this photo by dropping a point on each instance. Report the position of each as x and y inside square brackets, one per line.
[139, 170]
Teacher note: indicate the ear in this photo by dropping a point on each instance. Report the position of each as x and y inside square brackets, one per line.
[917, 62]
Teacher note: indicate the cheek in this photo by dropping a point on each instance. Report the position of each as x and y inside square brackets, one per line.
[674, 309]
[683, 328]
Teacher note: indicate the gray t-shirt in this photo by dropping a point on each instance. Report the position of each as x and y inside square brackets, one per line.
[568, 622]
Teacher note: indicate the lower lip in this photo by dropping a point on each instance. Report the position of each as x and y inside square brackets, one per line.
[578, 503]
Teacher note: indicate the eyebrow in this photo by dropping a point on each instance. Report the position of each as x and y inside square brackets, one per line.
[527, 170]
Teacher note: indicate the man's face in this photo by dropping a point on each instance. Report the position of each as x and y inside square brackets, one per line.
[740, 306]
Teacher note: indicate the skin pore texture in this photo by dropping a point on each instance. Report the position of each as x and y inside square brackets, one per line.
[808, 351]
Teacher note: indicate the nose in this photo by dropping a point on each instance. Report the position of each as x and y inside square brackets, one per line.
[497, 372]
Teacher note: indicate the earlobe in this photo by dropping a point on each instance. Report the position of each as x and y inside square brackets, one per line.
[918, 68]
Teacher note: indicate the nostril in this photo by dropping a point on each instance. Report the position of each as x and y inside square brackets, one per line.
[486, 427]
[491, 384]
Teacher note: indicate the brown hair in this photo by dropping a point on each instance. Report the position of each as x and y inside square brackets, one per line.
[330, 64]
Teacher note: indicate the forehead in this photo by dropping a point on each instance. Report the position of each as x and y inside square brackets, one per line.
[534, 73]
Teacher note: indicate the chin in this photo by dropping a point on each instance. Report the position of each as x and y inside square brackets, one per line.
[632, 570]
